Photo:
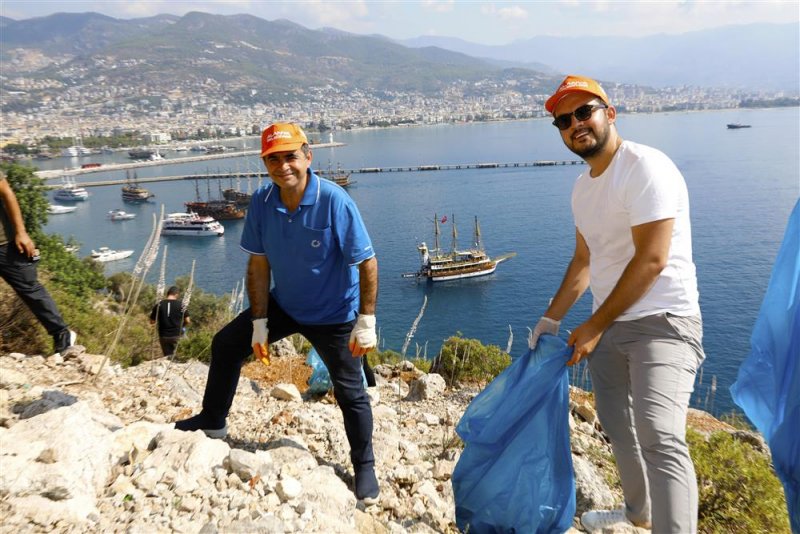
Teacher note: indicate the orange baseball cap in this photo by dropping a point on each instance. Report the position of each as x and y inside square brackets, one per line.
[282, 137]
[576, 84]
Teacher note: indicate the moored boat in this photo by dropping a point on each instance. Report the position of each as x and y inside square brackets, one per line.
[104, 254]
[221, 210]
[239, 197]
[70, 191]
[190, 224]
[439, 266]
[140, 153]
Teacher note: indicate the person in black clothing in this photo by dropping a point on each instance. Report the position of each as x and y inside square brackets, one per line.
[18, 257]
[171, 320]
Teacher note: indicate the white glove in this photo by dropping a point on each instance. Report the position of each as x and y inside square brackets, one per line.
[545, 325]
[259, 342]
[363, 337]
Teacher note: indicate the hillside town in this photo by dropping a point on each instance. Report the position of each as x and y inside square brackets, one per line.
[35, 108]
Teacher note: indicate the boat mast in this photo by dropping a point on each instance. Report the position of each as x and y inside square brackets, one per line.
[436, 233]
[478, 244]
[455, 232]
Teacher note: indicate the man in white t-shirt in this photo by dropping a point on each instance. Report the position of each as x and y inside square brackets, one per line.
[643, 341]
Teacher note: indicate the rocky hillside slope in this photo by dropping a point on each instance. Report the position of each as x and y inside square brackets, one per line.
[88, 452]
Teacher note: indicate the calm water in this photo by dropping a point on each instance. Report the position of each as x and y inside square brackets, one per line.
[742, 185]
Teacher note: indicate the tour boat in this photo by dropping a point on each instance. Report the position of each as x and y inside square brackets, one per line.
[191, 224]
[438, 266]
[70, 191]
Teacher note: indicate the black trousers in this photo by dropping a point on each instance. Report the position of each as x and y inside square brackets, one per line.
[168, 344]
[231, 346]
[20, 273]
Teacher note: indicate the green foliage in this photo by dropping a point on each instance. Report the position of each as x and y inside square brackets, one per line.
[388, 357]
[196, 345]
[30, 192]
[81, 277]
[467, 360]
[738, 490]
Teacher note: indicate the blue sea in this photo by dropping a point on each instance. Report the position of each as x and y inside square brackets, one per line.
[742, 185]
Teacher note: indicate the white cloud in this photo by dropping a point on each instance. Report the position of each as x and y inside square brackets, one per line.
[512, 13]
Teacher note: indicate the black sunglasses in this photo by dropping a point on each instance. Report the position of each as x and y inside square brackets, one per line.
[562, 122]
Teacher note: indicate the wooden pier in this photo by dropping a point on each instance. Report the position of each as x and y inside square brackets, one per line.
[364, 170]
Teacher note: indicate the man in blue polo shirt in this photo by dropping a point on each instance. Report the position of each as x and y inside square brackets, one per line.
[306, 237]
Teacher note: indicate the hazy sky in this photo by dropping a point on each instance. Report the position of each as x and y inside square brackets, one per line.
[475, 21]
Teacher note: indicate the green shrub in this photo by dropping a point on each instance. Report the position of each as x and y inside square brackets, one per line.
[387, 357]
[738, 490]
[468, 360]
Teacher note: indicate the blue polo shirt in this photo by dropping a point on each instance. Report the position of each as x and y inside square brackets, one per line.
[313, 252]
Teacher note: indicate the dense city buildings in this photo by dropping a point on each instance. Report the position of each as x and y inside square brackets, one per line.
[35, 108]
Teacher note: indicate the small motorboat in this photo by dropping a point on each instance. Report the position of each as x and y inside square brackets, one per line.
[56, 209]
[104, 254]
[120, 215]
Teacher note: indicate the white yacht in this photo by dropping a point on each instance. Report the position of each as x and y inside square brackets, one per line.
[191, 224]
[104, 254]
[70, 191]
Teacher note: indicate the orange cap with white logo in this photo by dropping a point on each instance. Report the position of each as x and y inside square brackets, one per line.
[282, 137]
[576, 84]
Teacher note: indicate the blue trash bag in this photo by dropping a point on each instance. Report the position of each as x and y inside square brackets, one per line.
[320, 380]
[515, 473]
[768, 385]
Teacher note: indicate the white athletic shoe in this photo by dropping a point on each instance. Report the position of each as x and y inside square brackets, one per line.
[597, 520]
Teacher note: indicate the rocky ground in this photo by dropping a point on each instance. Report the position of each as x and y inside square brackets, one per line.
[88, 452]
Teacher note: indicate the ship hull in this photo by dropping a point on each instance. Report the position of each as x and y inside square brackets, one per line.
[443, 277]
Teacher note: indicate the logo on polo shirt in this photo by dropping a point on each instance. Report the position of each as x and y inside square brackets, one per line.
[316, 243]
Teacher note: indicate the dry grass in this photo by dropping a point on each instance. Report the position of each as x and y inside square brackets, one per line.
[284, 370]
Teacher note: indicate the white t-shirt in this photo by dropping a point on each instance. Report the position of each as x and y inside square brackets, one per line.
[640, 185]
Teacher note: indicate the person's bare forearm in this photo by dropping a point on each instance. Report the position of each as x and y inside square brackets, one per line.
[368, 283]
[258, 280]
[21, 239]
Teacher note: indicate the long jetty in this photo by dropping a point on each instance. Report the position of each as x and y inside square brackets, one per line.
[362, 170]
[135, 164]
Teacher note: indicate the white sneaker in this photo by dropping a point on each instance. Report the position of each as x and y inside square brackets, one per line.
[597, 520]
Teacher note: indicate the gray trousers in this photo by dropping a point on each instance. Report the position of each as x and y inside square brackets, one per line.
[643, 374]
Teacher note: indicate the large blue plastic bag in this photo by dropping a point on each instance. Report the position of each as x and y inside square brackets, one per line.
[768, 385]
[515, 474]
[320, 380]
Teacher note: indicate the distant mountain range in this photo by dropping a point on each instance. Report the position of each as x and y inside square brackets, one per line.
[277, 58]
[753, 56]
[253, 59]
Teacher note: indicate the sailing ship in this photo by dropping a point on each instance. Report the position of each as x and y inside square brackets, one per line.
[221, 210]
[131, 192]
[237, 195]
[339, 176]
[736, 126]
[438, 266]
